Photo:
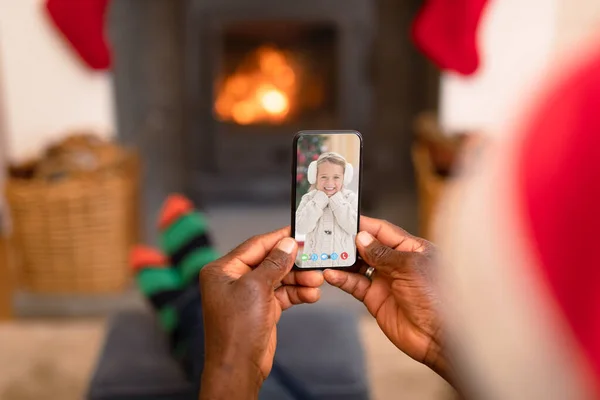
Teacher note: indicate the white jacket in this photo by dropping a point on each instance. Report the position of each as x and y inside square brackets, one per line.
[329, 224]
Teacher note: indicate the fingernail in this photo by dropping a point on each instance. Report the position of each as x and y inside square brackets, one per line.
[287, 245]
[365, 238]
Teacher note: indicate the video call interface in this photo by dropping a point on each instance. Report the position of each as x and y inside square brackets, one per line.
[327, 182]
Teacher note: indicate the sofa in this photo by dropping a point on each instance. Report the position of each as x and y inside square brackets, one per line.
[319, 356]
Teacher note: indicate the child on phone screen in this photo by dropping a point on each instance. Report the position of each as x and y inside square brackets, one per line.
[327, 214]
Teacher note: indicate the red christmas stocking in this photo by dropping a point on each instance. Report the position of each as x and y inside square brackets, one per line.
[446, 31]
[82, 24]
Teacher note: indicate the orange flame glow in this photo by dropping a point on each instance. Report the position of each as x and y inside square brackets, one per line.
[261, 89]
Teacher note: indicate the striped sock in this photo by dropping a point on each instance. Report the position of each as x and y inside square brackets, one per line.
[184, 238]
[159, 283]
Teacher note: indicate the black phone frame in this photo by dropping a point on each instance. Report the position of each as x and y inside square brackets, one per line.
[297, 136]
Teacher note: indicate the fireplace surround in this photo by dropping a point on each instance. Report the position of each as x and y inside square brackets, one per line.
[168, 73]
[327, 44]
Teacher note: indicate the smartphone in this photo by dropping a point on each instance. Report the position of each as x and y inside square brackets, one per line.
[326, 187]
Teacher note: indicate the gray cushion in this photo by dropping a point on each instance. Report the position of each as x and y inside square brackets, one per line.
[322, 348]
[318, 352]
[136, 362]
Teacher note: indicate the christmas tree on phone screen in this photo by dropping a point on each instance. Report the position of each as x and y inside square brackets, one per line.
[309, 149]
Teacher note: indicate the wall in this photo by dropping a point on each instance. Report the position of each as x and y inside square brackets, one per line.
[45, 90]
[349, 148]
[521, 43]
[516, 40]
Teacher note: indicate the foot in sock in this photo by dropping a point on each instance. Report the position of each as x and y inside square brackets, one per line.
[164, 278]
[158, 282]
[184, 237]
[177, 305]
[170, 282]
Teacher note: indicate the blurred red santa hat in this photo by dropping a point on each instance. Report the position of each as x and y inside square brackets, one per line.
[522, 279]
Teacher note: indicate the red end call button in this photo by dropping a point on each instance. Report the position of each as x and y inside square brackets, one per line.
[344, 255]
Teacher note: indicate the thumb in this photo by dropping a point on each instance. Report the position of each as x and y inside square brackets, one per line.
[383, 258]
[278, 263]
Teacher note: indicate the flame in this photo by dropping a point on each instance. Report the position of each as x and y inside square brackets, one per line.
[259, 90]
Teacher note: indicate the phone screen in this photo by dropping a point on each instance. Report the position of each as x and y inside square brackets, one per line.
[326, 187]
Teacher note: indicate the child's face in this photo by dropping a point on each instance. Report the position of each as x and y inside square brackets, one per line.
[330, 178]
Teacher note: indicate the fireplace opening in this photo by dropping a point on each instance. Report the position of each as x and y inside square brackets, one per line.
[276, 73]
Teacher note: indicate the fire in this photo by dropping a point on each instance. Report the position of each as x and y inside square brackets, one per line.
[259, 90]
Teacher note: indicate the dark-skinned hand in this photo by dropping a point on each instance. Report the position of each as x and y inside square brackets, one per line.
[243, 296]
[401, 295]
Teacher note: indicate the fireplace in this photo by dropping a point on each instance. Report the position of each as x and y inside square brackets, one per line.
[188, 146]
[259, 71]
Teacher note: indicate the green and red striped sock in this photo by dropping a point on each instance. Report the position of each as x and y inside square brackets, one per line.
[159, 283]
[184, 238]
[170, 281]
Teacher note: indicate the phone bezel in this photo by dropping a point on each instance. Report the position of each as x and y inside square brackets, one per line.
[293, 199]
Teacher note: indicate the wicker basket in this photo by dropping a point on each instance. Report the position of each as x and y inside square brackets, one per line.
[430, 188]
[74, 236]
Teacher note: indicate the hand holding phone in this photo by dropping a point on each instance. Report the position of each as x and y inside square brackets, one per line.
[326, 197]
